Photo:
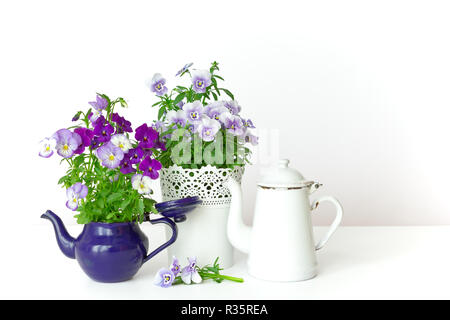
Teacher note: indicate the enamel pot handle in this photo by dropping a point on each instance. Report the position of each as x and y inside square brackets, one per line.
[172, 239]
[336, 222]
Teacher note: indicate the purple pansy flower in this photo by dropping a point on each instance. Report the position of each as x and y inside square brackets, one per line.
[126, 166]
[234, 125]
[175, 266]
[201, 79]
[233, 106]
[177, 117]
[110, 155]
[157, 85]
[248, 123]
[208, 128]
[150, 167]
[184, 69]
[146, 136]
[47, 146]
[100, 103]
[86, 138]
[123, 125]
[193, 111]
[250, 138]
[135, 155]
[190, 273]
[164, 278]
[66, 142]
[216, 112]
[74, 194]
[94, 115]
[95, 143]
[103, 129]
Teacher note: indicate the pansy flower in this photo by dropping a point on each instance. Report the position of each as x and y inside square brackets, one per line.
[157, 84]
[250, 138]
[141, 183]
[150, 167]
[208, 129]
[164, 278]
[86, 138]
[234, 125]
[74, 194]
[121, 141]
[232, 106]
[100, 103]
[135, 155]
[184, 69]
[201, 79]
[189, 273]
[103, 130]
[193, 111]
[47, 146]
[248, 123]
[66, 142]
[110, 155]
[146, 136]
[126, 166]
[123, 125]
[177, 117]
[175, 266]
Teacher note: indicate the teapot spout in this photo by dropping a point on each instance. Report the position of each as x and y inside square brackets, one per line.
[65, 242]
[238, 233]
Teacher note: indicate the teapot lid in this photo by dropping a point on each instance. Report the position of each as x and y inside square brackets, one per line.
[281, 176]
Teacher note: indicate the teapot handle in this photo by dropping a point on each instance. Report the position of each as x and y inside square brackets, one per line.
[337, 219]
[174, 228]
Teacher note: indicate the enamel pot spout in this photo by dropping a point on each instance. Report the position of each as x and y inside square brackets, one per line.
[238, 233]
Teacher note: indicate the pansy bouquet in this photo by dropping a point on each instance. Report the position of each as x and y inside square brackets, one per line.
[110, 173]
[197, 126]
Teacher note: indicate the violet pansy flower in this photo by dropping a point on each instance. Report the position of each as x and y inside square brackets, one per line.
[86, 138]
[141, 183]
[123, 125]
[126, 166]
[146, 136]
[94, 115]
[175, 266]
[184, 69]
[150, 167]
[248, 123]
[100, 103]
[74, 194]
[135, 155]
[208, 129]
[232, 106]
[216, 112]
[103, 130]
[193, 111]
[164, 278]
[47, 146]
[250, 138]
[110, 155]
[177, 117]
[66, 142]
[201, 79]
[189, 273]
[157, 84]
[234, 125]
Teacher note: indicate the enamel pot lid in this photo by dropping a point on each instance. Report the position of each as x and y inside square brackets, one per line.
[282, 176]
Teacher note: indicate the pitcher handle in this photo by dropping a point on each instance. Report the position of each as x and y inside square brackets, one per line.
[174, 228]
[337, 219]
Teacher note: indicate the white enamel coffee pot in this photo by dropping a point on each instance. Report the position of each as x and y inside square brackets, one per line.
[281, 242]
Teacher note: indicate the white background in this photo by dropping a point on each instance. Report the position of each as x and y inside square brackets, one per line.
[358, 90]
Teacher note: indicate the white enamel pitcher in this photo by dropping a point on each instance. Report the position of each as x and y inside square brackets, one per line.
[281, 242]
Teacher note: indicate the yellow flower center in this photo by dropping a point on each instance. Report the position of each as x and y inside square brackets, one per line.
[111, 157]
[142, 186]
[121, 146]
[47, 148]
[232, 126]
[65, 147]
[199, 83]
[208, 132]
[74, 200]
[150, 169]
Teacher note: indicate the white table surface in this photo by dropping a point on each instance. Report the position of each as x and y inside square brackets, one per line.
[357, 263]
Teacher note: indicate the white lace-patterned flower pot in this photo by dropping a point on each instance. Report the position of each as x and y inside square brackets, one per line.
[204, 233]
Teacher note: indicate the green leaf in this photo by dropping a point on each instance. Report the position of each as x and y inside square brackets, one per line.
[125, 203]
[123, 103]
[149, 205]
[228, 93]
[62, 180]
[114, 197]
[179, 98]
[214, 95]
[140, 206]
[161, 112]
[78, 160]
